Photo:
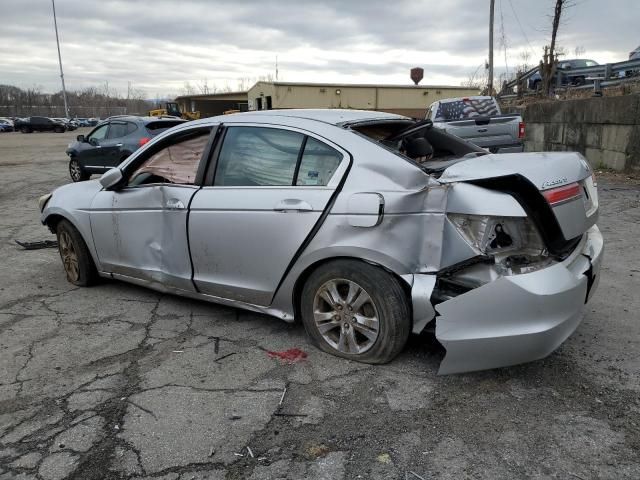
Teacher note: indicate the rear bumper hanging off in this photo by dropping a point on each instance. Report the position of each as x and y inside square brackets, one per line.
[519, 318]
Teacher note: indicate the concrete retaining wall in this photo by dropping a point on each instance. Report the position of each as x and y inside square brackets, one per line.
[606, 130]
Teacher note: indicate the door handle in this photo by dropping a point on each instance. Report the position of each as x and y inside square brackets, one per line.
[174, 204]
[293, 205]
[118, 144]
[482, 130]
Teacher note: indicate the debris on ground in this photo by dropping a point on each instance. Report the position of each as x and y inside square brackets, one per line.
[38, 245]
[316, 451]
[384, 458]
[292, 355]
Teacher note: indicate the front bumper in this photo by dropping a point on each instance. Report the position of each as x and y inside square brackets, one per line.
[519, 318]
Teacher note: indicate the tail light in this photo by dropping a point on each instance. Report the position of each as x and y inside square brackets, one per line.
[562, 194]
[521, 130]
[143, 140]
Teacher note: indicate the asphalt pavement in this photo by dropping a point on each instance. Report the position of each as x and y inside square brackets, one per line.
[116, 381]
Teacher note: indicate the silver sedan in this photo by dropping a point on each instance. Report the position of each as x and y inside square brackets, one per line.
[365, 226]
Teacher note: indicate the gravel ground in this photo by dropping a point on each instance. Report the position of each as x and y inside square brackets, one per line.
[116, 381]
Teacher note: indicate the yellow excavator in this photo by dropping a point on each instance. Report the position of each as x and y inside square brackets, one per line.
[172, 108]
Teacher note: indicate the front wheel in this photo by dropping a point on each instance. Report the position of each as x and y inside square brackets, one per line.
[25, 130]
[355, 310]
[77, 173]
[76, 259]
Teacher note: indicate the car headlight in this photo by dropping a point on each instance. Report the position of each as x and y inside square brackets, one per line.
[42, 201]
[514, 242]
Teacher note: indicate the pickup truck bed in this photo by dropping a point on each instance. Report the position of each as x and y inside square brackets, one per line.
[479, 121]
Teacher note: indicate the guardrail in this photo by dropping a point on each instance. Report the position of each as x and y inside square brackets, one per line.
[605, 73]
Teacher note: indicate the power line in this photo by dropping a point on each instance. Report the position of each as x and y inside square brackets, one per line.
[522, 29]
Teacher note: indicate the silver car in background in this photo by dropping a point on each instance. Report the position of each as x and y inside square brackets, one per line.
[321, 216]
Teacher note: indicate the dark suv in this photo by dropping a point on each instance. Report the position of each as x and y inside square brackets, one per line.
[40, 124]
[111, 142]
[565, 66]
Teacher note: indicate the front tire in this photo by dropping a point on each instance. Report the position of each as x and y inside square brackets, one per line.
[76, 259]
[355, 310]
[25, 130]
[76, 172]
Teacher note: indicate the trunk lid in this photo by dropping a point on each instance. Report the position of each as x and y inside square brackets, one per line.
[526, 176]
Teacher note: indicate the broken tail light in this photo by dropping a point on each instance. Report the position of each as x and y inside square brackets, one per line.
[566, 193]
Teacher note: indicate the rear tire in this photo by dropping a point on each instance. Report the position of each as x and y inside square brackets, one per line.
[355, 310]
[579, 81]
[76, 172]
[76, 259]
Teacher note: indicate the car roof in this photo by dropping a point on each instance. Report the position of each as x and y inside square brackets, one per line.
[333, 116]
[136, 118]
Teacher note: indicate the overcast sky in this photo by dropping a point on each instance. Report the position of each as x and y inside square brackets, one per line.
[160, 45]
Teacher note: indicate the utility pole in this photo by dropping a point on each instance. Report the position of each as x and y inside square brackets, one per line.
[490, 82]
[64, 90]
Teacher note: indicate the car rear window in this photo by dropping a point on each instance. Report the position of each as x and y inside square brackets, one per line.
[318, 164]
[154, 128]
[466, 108]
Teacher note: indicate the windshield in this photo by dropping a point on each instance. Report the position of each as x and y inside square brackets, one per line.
[463, 108]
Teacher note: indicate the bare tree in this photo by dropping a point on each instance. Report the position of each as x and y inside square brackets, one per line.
[550, 58]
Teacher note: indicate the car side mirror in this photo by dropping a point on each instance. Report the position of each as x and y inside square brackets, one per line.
[80, 138]
[111, 178]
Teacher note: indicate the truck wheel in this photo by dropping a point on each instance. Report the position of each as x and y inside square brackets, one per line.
[25, 130]
[355, 310]
[580, 81]
[77, 173]
[76, 259]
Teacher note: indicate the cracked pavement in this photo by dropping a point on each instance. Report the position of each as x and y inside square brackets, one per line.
[116, 381]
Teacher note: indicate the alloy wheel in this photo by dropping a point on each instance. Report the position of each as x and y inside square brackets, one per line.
[346, 316]
[69, 256]
[74, 170]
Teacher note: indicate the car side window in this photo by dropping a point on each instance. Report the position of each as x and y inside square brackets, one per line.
[176, 163]
[258, 156]
[117, 130]
[319, 163]
[131, 127]
[99, 133]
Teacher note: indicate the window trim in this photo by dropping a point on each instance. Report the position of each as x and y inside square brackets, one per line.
[333, 182]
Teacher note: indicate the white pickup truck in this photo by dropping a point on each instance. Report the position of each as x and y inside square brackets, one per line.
[478, 119]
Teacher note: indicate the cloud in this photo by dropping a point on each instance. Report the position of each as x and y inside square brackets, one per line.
[158, 46]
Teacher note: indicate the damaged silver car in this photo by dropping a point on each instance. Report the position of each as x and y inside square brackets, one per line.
[365, 226]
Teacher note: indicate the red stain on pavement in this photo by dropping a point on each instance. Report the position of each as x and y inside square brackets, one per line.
[292, 355]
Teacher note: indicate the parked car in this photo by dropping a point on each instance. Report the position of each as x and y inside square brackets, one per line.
[316, 215]
[93, 121]
[40, 124]
[83, 122]
[479, 120]
[111, 142]
[565, 67]
[6, 125]
[70, 125]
